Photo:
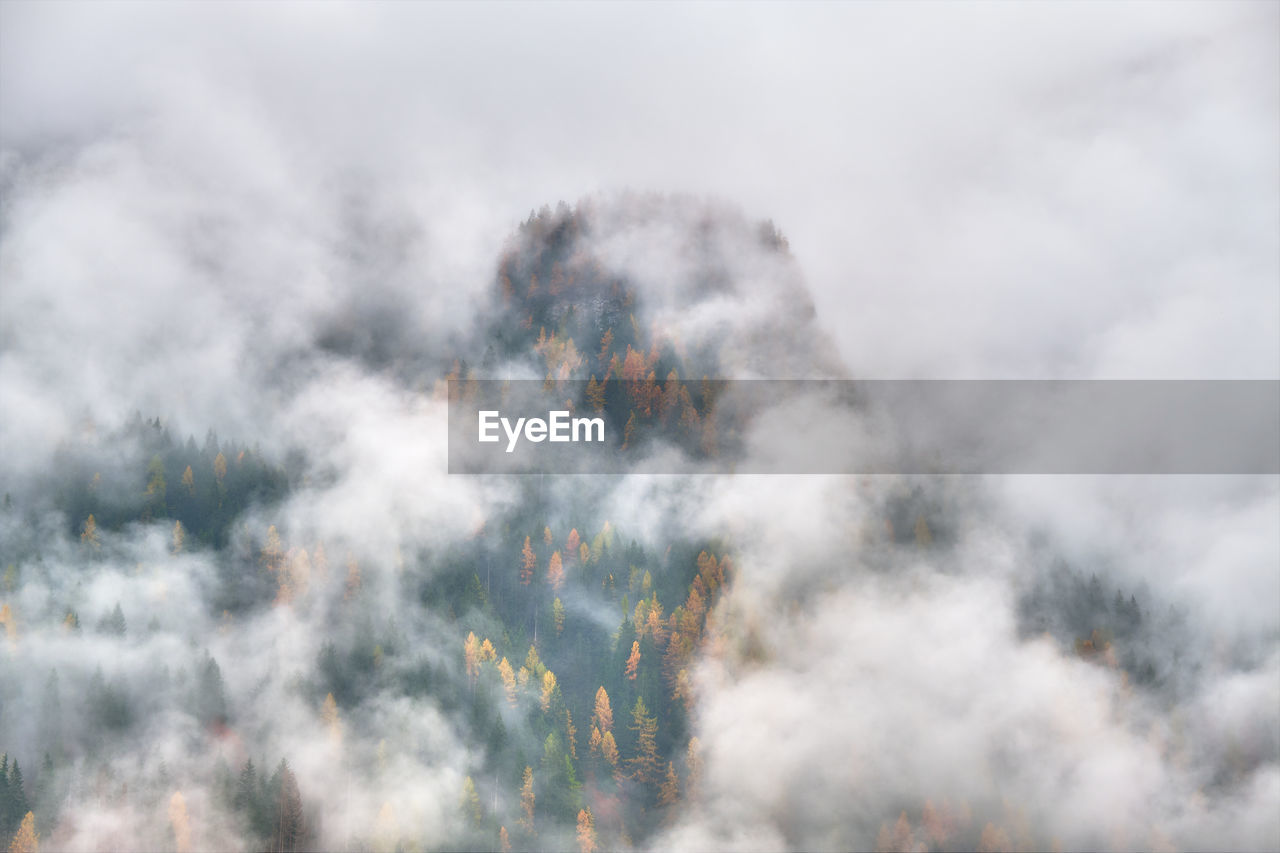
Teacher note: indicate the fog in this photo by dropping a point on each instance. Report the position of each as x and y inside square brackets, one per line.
[282, 223]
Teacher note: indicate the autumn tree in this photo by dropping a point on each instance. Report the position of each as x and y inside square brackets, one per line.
[508, 680]
[332, 721]
[470, 802]
[670, 790]
[471, 655]
[178, 819]
[527, 802]
[557, 616]
[548, 689]
[528, 561]
[90, 534]
[219, 468]
[179, 535]
[26, 839]
[693, 765]
[595, 394]
[571, 543]
[353, 579]
[586, 832]
[555, 571]
[633, 662]
[504, 840]
[644, 764]
[189, 481]
[603, 718]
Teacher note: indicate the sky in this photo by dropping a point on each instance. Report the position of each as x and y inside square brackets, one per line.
[973, 190]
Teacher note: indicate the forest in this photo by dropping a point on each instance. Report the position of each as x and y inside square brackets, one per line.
[564, 649]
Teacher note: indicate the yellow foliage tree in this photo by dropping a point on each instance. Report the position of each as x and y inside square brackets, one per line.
[179, 820]
[555, 571]
[633, 662]
[603, 719]
[586, 832]
[548, 689]
[527, 801]
[528, 561]
[508, 680]
[90, 534]
[332, 720]
[179, 535]
[26, 839]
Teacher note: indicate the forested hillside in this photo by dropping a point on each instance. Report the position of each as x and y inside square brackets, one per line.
[192, 662]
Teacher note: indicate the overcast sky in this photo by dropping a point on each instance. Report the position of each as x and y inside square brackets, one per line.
[973, 190]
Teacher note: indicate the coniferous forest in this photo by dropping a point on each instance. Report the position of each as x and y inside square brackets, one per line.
[246, 606]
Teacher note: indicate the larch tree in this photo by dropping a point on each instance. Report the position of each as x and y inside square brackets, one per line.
[26, 839]
[471, 802]
[332, 720]
[179, 821]
[609, 749]
[89, 536]
[633, 662]
[471, 655]
[546, 534]
[272, 555]
[528, 561]
[189, 481]
[504, 840]
[555, 571]
[548, 689]
[571, 735]
[219, 468]
[179, 536]
[586, 832]
[643, 766]
[527, 802]
[603, 719]
[571, 543]
[693, 766]
[508, 680]
[557, 615]
[487, 651]
[353, 579]
[670, 790]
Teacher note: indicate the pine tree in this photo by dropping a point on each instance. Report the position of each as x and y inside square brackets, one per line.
[289, 832]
